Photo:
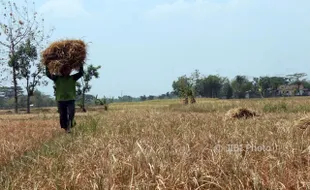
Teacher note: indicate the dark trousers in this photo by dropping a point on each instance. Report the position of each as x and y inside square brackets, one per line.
[66, 111]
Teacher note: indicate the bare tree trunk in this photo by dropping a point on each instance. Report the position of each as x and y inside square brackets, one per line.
[28, 103]
[15, 88]
[83, 101]
[13, 61]
[28, 95]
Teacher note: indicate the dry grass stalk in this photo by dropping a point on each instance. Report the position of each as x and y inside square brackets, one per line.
[20, 135]
[70, 54]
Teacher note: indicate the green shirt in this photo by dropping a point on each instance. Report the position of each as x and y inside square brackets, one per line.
[65, 86]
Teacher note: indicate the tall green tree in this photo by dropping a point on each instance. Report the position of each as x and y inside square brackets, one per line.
[193, 80]
[18, 23]
[241, 85]
[181, 86]
[264, 85]
[143, 98]
[90, 73]
[255, 86]
[210, 86]
[30, 68]
[306, 84]
[184, 87]
[151, 97]
[162, 96]
[275, 82]
[226, 89]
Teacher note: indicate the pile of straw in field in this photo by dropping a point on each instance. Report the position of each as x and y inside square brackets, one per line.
[239, 113]
[64, 54]
[303, 123]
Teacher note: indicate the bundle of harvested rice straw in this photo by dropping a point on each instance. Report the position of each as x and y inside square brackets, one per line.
[303, 123]
[239, 113]
[64, 54]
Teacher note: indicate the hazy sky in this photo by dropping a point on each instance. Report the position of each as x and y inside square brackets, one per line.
[143, 45]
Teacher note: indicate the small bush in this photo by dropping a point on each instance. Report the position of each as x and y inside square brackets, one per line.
[301, 108]
[102, 102]
[280, 107]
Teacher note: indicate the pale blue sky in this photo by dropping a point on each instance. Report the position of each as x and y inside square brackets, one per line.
[143, 45]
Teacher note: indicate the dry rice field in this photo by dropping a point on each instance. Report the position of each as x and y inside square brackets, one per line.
[160, 145]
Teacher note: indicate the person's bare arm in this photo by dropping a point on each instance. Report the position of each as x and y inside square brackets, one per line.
[48, 74]
[78, 75]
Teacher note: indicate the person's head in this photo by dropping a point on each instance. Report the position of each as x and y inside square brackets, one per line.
[65, 71]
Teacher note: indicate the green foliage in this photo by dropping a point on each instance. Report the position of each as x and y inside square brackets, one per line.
[143, 98]
[162, 96]
[78, 89]
[279, 107]
[185, 87]
[38, 99]
[306, 84]
[182, 86]
[8, 92]
[26, 57]
[126, 98]
[205, 107]
[226, 90]
[88, 100]
[18, 26]
[285, 107]
[264, 85]
[210, 86]
[298, 79]
[103, 102]
[90, 73]
[269, 85]
[150, 97]
[215, 86]
[241, 85]
[301, 108]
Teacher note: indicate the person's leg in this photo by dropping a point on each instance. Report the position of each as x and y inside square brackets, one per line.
[71, 109]
[63, 114]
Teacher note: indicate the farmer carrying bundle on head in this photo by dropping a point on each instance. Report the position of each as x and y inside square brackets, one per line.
[66, 95]
[60, 59]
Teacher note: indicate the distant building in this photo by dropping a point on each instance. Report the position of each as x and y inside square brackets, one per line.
[292, 90]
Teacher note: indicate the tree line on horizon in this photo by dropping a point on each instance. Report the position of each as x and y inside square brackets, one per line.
[216, 86]
[196, 85]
